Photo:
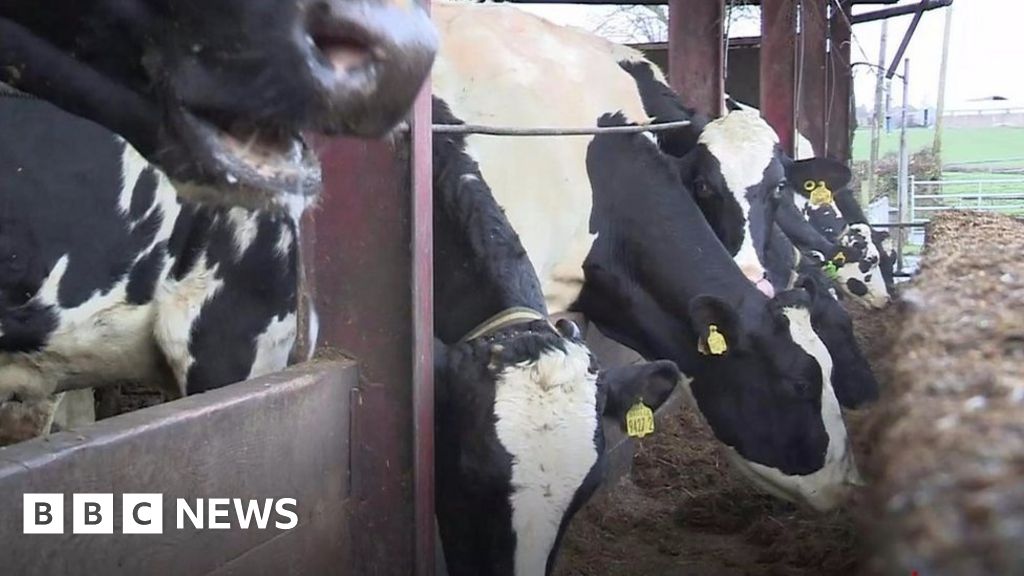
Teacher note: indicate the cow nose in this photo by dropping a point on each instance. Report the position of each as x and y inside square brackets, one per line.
[367, 60]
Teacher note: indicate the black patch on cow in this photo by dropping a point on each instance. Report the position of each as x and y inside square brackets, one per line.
[26, 328]
[258, 287]
[856, 287]
[144, 275]
[72, 211]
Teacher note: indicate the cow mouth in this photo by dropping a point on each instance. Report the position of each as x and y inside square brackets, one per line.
[254, 167]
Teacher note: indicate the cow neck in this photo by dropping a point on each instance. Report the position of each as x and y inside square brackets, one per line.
[675, 255]
[482, 270]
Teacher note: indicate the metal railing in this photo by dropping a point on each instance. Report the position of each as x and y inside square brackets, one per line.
[1003, 195]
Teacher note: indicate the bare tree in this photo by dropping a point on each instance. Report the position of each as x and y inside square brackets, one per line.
[649, 23]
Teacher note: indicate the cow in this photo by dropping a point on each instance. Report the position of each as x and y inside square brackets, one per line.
[216, 94]
[613, 234]
[742, 143]
[828, 203]
[109, 276]
[853, 380]
[867, 252]
[519, 400]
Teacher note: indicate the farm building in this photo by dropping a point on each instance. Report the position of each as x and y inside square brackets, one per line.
[348, 436]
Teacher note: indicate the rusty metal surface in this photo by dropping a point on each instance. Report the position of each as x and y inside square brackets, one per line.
[813, 103]
[695, 53]
[423, 334]
[840, 86]
[280, 436]
[778, 68]
[363, 260]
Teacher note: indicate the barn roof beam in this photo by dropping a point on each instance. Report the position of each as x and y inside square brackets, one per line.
[921, 8]
[654, 2]
[884, 13]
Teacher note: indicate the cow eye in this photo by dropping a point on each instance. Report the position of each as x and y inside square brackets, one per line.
[778, 189]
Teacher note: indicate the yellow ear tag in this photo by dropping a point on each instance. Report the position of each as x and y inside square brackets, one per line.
[820, 194]
[639, 420]
[716, 341]
[839, 259]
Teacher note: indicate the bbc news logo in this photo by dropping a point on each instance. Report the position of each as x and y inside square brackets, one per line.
[144, 514]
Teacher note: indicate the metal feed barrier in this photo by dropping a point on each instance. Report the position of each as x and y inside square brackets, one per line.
[984, 194]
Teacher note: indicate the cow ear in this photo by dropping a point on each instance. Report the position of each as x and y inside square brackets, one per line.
[649, 382]
[810, 286]
[834, 173]
[716, 324]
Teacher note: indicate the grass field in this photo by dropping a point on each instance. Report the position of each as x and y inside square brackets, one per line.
[959, 145]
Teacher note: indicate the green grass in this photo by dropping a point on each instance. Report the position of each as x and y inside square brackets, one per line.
[958, 144]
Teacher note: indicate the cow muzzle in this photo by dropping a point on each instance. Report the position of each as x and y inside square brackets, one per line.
[368, 60]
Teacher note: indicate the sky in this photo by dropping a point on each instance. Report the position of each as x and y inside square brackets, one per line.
[986, 57]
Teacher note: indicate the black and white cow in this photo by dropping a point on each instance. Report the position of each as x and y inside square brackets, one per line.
[110, 277]
[216, 93]
[829, 204]
[519, 402]
[611, 236]
[864, 272]
[742, 144]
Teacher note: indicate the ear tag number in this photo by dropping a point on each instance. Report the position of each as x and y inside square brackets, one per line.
[820, 195]
[639, 420]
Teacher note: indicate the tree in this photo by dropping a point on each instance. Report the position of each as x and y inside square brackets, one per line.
[649, 23]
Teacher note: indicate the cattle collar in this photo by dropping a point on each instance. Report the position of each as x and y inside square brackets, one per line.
[504, 319]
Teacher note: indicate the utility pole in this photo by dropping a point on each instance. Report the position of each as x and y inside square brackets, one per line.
[903, 175]
[877, 117]
[940, 105]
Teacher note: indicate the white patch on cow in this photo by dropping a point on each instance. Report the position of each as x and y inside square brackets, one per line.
[546, 414]
[744, 145]
[801, 203]
[825, 488]
[132, 165]
[178, 305]
[541, 183]
[273, 346]
[284, 242]
[244, 227]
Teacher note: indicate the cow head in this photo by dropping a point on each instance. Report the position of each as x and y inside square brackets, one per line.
[861, 277]
[767, 394]
[736, 176]
[217, 93]
[519, 441]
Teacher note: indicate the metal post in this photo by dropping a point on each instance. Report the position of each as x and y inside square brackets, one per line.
[904, 164]
[840, 80]
[778, 68]
[813, 110]
[696, 53]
